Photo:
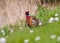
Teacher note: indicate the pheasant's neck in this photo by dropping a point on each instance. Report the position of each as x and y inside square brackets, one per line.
[28, 16]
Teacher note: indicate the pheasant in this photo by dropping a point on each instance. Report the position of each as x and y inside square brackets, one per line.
[32, 21]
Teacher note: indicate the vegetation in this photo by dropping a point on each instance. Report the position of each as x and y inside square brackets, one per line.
[44, 31]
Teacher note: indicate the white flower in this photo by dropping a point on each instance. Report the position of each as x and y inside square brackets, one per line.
[51, 20]
[31, 31]
[26, 41]
[2, 31]
[56, 14]
[53, 36]
[58, 38]
[40, 23]
[2, 40]
[11, 31]
[56, 19]
[37, 38]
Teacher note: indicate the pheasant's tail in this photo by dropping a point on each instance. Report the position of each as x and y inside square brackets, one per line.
[40, 24]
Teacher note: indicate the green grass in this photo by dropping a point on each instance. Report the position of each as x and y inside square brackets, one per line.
[44, 31]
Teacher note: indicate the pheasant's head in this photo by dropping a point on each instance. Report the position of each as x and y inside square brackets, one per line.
[27, 13]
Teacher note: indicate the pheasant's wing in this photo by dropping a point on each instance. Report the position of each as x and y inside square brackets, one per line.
[35, 22]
